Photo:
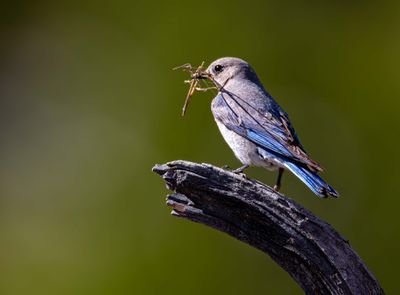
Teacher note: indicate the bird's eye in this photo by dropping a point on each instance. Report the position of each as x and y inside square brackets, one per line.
[218, 68]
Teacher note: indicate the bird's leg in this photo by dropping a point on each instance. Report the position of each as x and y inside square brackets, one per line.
[240, 169]
[277, 186]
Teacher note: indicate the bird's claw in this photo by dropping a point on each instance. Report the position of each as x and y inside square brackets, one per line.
[240, 169]
[243, 175]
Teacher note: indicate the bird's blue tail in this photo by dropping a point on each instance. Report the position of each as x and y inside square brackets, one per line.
[312, 180]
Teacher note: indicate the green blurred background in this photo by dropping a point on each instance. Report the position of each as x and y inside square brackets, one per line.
[88, 104]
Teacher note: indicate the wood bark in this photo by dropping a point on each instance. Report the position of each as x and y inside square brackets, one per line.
[315, 255]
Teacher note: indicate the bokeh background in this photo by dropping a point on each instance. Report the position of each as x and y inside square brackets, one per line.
[88, 104]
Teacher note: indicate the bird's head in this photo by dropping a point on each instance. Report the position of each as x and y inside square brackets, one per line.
[224, 69]
[220, 72]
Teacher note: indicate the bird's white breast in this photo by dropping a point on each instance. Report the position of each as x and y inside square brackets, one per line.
[244, 150]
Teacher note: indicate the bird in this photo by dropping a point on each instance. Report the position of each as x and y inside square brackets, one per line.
[256, 128]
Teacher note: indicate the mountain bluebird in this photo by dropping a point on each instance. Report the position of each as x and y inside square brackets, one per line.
[256, 128]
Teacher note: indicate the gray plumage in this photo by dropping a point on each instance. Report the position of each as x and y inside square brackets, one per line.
[256, 128]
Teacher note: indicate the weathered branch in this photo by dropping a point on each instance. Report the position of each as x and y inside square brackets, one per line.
[309, 249]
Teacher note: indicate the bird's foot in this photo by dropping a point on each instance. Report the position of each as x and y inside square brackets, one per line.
[277, 187]
[243, 175]
[240, 169]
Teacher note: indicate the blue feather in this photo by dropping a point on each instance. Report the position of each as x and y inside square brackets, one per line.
[267, 141]
[271, 140]
[312, 180]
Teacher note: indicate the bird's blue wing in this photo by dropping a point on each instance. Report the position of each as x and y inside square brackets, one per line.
[266, 130]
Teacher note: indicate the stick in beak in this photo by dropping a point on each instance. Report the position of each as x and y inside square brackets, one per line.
[196, 75]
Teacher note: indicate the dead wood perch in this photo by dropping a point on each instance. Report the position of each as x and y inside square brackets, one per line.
[310, 250]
